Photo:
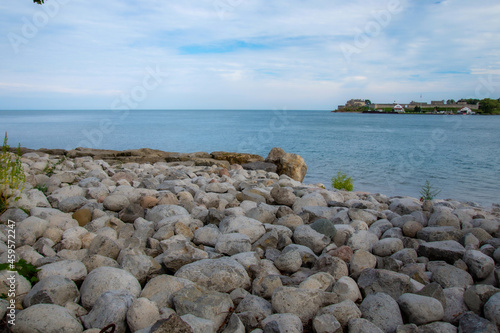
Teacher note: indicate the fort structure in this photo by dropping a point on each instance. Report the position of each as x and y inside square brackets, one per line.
[357, 103]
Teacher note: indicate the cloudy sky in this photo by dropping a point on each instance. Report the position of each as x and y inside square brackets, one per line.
[245, 54]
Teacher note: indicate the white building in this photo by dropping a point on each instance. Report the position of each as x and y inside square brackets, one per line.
[399, 109]
[465, 110]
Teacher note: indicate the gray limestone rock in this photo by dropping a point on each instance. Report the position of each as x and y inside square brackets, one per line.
[161, 289]
[326, 323]
[104, 279]
[289, 262]
[382, 310]
[492, 309]
[254, 229]
[206, 304]
[388, 246]
[142, 313]
[325, 227]
[471, 323]
[104, 246]
[362, 215]
[303, 303]
[362, 240]
[403, 206]
[110, 308]
[449, 251]
[421, 310]
[72, 204]
[444, 218]
[173, 324]
[72, 269]
[480, 265]
[55, 289]
[252, 310]
[372, 281]
[283, 196]
[476, 296]
[434, 290]
[158, 213]
[347, 288]
[233, 243]
[360, 261]
[449, 276]
[307, 236]
[343, 311]
[455, 305]
[361, 325]
[47, 318]
[223, 275]
[437, 327]
[285, 322]
[435, 234]
[206, 235]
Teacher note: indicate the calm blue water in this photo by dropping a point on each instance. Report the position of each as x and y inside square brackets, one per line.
[389, 154]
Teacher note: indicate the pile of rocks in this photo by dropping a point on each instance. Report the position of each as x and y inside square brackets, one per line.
[176, 247]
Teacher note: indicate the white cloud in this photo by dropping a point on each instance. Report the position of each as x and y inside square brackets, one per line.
[275, 51]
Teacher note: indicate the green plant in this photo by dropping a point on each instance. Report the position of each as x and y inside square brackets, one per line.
[51, 167]
[24, 268]
[42, 188]
[12, 176]
[342, 182]
[428, 192]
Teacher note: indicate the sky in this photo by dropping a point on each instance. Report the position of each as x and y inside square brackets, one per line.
[245, 54]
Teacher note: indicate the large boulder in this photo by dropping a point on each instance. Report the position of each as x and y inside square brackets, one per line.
[161, 289]
[480, 265]
[47, 318]
[492, 309]
[342, 311]
[449, 276]
[110, 308]
[223, 275]
[372, 281]
[254, 229]
[420, 309]
[285, 322]
[72, 269]
[207, 304]
[303, 303]
[142, 313]
[56, 289]
[104, 279]
[382, 310]
[449, 251]
[288, 164]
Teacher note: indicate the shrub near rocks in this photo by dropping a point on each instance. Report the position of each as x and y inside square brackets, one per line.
[149, 247]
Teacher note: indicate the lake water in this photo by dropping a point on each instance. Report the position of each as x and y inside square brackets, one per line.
[389, 154]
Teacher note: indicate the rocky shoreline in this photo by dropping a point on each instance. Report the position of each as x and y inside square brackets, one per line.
[147, 241]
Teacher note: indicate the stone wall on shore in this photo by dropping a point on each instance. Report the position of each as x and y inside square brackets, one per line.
[151, 247]
[286, 163]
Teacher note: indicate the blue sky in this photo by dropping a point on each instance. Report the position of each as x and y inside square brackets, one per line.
[245, 54]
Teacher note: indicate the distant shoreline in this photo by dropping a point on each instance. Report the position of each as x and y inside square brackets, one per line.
[413, 113]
